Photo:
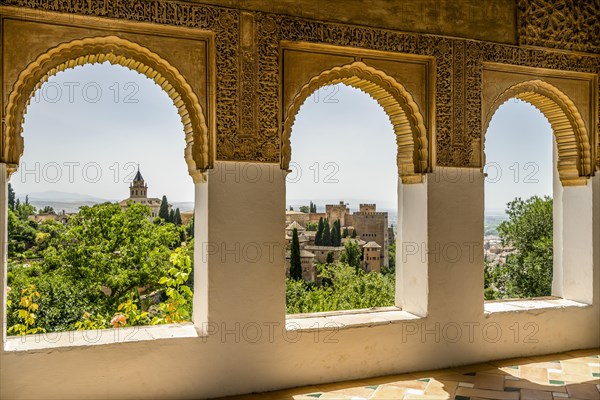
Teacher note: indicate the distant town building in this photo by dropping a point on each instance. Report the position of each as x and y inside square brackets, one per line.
[372, 257]
[370, 225]
[138, 194]
[309, 271]
[61, 217]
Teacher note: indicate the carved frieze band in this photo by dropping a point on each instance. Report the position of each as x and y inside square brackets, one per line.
[248, 124]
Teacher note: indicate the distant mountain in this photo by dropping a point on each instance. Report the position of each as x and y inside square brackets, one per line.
[54, 195]
[69, 202]
[184, 206]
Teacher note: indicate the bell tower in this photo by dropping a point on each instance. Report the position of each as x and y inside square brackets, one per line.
[138, 187]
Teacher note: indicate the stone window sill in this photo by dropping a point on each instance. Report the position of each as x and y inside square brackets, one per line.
[336, 320]
[528, 305]
[47, 341]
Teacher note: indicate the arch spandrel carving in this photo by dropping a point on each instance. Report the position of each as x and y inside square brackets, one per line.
[575, 159]
[118, 51]
[403, 112]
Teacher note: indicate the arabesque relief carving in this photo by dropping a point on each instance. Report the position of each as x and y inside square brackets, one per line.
[569, 25]
[116, 51]
[404, 114]
[251, 131]
[572, 140]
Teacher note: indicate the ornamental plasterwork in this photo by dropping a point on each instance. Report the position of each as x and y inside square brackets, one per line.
[117, 51]
[249, 66]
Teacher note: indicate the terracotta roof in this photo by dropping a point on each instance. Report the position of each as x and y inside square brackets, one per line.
[372, 245]
[295, 225]
[303, 254]
[288, 212]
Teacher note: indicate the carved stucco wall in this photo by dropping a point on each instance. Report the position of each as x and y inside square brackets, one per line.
[117, 51]
[563, 24]
[248, 73]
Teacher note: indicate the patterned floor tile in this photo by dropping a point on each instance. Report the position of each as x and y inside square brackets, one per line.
[529, 394]
[583, 391]
[389, 393]
[489, 381]
[569, 376]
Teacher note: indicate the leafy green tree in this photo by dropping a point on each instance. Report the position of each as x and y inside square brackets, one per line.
[24, 210]
[348, 290]
[113, 251]
[304, 209]
[312, 226]
[46, 210]
[319, 235]
[26, 313]
[295, 262]
[351, 255]
[163, 212]
[392, 256]
[528, 271]
[11, 197]
[178, 307]
[21, 232]
[326, 239]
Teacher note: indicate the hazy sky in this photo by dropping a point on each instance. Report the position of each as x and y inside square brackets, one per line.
[80, 140]
[343, 148]
[521, 170]
[87, 128]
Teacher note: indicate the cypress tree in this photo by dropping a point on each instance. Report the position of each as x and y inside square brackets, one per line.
[319, 235]
[345, 235]
[11, 197]
[295, 262]
[353, 234]
[329, 259]
[171, 216]
[338, 237]
[334, 235]
[177, 221]
[190, 228]
[164, 209]
[326, 239]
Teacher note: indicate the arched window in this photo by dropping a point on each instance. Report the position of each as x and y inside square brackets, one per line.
[340, 137]
[85, 132]
[549, 241]
[518, 241]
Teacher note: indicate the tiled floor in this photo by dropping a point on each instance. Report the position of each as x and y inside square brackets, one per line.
[571, 375]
